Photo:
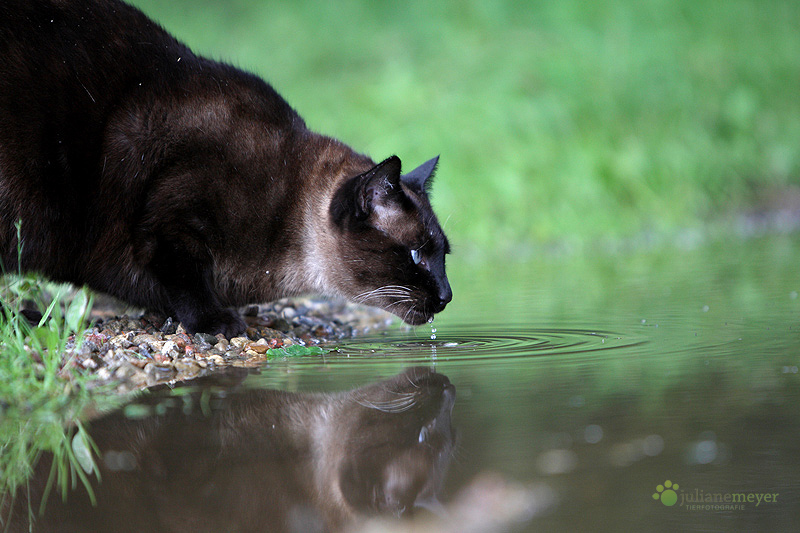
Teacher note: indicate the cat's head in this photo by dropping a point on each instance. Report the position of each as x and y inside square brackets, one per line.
[391, 248]
[395, 443]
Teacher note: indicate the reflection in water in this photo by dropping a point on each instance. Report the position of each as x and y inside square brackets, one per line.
[262, 460]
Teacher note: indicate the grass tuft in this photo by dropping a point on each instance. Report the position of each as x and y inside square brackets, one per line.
[41, 394]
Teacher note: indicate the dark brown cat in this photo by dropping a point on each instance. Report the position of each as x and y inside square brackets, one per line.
[187, 186]
[259, 460]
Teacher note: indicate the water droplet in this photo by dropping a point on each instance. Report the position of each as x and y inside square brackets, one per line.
[433, 334]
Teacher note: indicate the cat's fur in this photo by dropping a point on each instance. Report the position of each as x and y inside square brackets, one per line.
[187, 186]
[260, 460]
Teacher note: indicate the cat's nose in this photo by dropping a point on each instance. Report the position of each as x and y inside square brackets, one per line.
[445, 295]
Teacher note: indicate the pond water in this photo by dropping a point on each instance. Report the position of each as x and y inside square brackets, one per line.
[645, 391]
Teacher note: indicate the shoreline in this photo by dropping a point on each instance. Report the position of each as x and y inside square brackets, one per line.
[130, 353]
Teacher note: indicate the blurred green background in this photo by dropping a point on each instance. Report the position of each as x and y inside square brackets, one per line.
[558, 123]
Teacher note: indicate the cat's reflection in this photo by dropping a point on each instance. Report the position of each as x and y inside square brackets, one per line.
[265, 460]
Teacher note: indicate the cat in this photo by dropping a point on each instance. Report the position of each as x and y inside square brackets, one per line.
[260, 460]
[187, 186]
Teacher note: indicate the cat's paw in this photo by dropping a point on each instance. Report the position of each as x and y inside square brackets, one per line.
[225, 321]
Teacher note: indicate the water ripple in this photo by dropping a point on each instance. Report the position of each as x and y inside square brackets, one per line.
[481, 342]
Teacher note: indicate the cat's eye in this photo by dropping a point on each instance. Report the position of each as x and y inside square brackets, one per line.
[416, 256]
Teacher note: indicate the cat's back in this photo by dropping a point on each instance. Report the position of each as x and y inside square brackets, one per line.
[76, 58]
[102, 111]
[65, 67]
[70, 68]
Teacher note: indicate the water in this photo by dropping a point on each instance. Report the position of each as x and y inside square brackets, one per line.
[590, 393]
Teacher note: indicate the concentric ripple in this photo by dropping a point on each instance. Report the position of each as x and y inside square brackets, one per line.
[479, 342]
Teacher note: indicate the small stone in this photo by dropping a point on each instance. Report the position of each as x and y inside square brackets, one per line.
[282, 325]
[169, 327]
[158, 374]
[186, 365]
[170, 349]
[121, 341]
[139, 363]
[125, 371]
[238, 342]
[159, 371]
[145, 338]
[222, 344]
[217, 360]
[275, 343]
[257, 346]
[200, 338]
[321, 331]
[181, 340]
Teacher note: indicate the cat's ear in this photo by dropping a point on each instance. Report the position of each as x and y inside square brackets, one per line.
[420, 178]
[377, 186]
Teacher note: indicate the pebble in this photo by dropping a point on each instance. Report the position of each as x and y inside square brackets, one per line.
[200, 338]
[238, 342]
[186, 365]
[222, 343]
[170, 349]
[261, 346]
[169, 328]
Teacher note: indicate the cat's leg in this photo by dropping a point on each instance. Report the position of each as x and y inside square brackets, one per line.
[187, 282]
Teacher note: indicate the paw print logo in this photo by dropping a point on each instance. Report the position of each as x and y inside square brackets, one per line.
[666, 493]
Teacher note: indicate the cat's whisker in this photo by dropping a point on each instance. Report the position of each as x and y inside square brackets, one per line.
[398, 405]
[402, 301]
[387, 294]
[387, 291]
[416, 386]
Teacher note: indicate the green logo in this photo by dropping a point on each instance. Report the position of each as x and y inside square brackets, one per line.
[666, 494]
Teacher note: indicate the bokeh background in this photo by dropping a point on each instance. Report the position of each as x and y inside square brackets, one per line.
[560, 125]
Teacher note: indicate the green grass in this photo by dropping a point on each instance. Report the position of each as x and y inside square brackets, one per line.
[556, 121]
[42, 397]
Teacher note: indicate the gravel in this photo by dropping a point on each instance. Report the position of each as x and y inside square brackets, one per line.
[130, 353]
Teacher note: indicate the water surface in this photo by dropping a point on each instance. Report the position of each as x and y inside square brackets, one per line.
[605, 393]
